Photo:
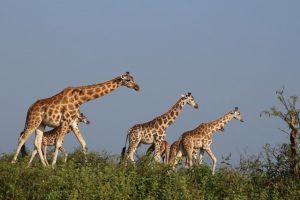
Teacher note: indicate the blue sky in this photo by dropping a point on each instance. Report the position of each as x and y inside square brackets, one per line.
[227, 53]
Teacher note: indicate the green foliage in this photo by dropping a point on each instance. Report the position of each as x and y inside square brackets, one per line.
[258, 177]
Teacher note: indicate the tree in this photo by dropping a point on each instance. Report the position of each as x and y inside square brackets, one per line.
[290, 115]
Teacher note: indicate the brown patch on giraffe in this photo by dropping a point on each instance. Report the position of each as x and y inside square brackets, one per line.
[71, 107]
[97, 90]
[96, 96]
[103, 88]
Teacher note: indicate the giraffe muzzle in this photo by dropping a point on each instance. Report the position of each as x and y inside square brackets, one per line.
[136, 87]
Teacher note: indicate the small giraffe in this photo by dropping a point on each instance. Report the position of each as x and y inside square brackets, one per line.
[50, 111]
[153, 132]
[50, 138]
[164, 150]
[174, 149]
[201, 137]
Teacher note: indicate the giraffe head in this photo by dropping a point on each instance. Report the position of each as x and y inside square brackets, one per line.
[189, 99]
[82, 118]
[128, 81]
[236, 114]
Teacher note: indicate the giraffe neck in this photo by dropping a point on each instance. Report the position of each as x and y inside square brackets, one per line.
[219, 123]
[91, 92]
[170, 116]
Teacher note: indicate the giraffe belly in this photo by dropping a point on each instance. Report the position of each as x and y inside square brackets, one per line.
[51, 122]
[198, 143]
[147, 139]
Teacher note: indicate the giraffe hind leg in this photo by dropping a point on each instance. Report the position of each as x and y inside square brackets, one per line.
[21, 141]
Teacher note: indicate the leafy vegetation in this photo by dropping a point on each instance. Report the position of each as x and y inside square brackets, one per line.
[264, 176]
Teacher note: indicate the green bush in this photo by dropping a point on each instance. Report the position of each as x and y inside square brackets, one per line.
[257, 177]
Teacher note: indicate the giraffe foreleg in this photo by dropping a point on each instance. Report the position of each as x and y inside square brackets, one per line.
[62, 149]
[201, 156]
[57, 146]
[75, 129]
[213, 158]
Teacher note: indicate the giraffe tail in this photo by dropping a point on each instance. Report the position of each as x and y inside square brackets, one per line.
[124, 148]
[23, 148]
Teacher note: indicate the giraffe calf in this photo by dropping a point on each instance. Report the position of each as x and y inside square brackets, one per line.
[50, 138]
[175, 155]
[164, 150]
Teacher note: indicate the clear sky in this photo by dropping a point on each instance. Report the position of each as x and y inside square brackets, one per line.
[227, 53]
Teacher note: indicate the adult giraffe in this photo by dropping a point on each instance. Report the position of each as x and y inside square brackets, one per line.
[65, 105]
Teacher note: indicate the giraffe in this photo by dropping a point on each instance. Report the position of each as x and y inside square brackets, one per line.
[164, 150]
[50, 138]
[49, 111]
[174, 148]
[153, 132]
[201, 138]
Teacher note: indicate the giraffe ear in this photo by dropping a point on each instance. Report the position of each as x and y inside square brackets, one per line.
[182, 95]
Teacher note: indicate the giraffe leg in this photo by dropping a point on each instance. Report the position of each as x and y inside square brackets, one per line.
[157, 145]
[201, 156]
[58, 145]
[21, 141]
[194, 155]
[190, 157]
[175, 160]
[213, 158]
[130, 152]
[150, 149]
[38, 142]
[34, 152]
[167, 154]
[44, 150]
[62, 149]
[79, 137]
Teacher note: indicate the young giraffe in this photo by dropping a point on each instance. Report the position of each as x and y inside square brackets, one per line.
[164, 150]
[153, 132]
[201, 138]
[174, 148]
[50, 138]
[49, 111]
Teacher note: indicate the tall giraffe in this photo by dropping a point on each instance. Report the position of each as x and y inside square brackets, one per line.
[49, 111]
[201, 137]
[154, 130]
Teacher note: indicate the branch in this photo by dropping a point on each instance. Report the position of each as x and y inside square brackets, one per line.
[283, 131]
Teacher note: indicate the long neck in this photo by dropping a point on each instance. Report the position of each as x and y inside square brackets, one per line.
[91, 92]
[170, 116]
[219, 123]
